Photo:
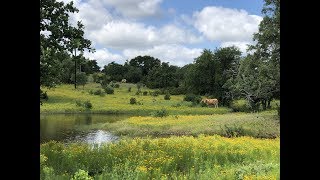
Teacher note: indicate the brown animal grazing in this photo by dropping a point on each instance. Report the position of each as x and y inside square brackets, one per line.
[214, 102]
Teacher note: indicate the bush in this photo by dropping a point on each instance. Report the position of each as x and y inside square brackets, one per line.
[109, 90]
[167, 97]
[133, 101]
[155, 93]
[234, 131]
[78, 102]
[160, 113]
[87, 104]
[129, 89]
[240, 106]
[138, 92]
[96, 92]
[193, 98]
[116, 85]
[145, 93]
[81, 175]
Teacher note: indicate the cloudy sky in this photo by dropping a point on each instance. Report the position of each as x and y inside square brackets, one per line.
[175, 31]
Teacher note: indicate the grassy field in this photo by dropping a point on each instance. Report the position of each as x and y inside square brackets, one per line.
[63, 100]
[203, 157]
[187, 143]
[261, 125]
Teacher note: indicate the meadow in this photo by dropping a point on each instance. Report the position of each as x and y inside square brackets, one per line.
[62, 99]
[186, 142]
[203, 157]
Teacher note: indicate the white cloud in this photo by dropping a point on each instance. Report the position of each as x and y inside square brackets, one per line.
[241, 45]
[225, 24]
[104, 57]
[174, 54]
[122, 35]
[135, 8]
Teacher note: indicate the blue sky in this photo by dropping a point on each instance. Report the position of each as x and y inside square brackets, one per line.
[175, 31]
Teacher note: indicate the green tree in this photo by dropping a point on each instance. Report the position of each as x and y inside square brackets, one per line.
[258, 79]
[82, 78]
[145, 63]
[115, 71]
[57, 36]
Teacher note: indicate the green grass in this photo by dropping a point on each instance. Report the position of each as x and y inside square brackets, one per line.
[62, 99]
[204, 157]
[262, 125]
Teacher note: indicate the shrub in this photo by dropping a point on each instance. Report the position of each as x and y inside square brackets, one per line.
[81, 175]
[129, 89]
[133, 101]
[160, 113]
[87, 104]
[193, 98]
[202, 104]
[155, 93]
[78, 102]
[116, 85]
[167, 97]
[109, 90]
[145, 93]
[239, 106]
[97, 92]
[234, 131]
[138, 92]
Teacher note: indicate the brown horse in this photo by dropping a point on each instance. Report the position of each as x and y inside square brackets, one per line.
[214, 102]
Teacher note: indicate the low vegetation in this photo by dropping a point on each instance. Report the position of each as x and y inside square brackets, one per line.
[204, 157]
[260, 125]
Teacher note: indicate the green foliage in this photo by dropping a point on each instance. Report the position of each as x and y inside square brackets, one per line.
[177, 90]
[87, 104]
[54, 18]
[193, 98]
[163, 76]
[109, 90]
[278, 109]
[81, 175]
[145, 93]
[160, 113]
[133, 101]
[234, 131]
[129, 89]
[139, 85]
[203, 157]
[96, 92]
[116, 85]
[167, 97]
[240, 106]
[115, 71]
[82, 78]
[43, 96]
[154, 93]
[78, 102]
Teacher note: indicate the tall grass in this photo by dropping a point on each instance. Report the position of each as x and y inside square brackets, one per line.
[261, 125]
[205, 157]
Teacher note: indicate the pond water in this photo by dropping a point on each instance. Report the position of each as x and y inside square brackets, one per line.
[69, 128]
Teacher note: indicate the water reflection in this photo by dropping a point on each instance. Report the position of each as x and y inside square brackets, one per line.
[76, 127]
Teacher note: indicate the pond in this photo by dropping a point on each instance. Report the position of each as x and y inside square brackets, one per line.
[69, 128]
